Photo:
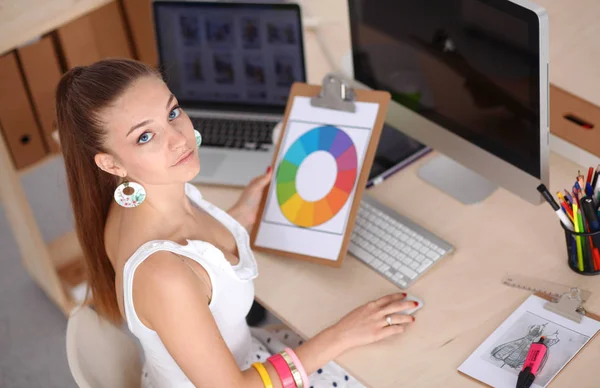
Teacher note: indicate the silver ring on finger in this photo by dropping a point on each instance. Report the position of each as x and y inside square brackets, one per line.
[388, 319]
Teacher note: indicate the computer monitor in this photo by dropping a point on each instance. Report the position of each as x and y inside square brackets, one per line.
[468, 78]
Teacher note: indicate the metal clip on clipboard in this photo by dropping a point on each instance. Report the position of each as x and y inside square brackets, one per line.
[335, 94]
[569, 305]
[566, 301]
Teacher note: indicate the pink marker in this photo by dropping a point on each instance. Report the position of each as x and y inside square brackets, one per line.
[536, 357]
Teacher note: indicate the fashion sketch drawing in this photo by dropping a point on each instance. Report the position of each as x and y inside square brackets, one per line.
[513, 353]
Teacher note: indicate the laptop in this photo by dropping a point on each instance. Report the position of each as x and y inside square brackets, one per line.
[231, 66]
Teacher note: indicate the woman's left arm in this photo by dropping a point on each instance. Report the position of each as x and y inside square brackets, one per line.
[245, 210]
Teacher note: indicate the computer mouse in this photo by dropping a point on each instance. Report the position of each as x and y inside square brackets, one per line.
[412, 310]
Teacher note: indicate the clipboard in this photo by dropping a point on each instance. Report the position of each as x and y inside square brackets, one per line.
[323, 118]
[568, 305]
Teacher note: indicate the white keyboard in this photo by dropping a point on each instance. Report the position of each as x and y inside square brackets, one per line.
[393, 245]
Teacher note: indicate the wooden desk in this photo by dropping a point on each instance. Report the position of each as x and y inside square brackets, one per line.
[464, 298]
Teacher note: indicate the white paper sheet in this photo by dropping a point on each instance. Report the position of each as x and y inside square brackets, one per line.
[498, 361]
[316, 175]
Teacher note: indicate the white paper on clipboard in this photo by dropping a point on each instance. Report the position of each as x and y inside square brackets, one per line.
[317, 151]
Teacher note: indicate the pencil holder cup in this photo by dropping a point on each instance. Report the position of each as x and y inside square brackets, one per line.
[583, 251]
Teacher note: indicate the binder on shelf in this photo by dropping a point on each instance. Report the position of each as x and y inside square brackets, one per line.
[138, 14]
[19, 127]
[99, 34]
[42, 72]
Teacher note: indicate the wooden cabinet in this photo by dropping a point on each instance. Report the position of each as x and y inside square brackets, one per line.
[88, 30]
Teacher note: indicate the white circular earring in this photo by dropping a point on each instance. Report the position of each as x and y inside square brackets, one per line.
[198, 137]
[130, 194]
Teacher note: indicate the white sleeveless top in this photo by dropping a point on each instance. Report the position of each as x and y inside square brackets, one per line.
[232, 296]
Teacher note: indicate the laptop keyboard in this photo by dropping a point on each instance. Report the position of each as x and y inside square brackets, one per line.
[240, 134]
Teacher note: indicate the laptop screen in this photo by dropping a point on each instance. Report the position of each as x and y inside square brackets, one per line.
[220, 54]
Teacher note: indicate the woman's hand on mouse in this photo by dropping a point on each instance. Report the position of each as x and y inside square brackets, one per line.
[245, 209]
[368, 323]
[362, 326]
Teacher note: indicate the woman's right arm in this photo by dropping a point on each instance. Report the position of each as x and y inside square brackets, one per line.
[172, 299]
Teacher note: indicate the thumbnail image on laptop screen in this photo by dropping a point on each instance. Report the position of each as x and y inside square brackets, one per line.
[224, 54]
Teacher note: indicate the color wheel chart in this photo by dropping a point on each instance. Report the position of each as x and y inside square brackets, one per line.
[303, 212]
[317, 170]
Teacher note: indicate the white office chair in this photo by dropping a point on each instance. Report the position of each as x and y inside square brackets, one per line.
[101, 355]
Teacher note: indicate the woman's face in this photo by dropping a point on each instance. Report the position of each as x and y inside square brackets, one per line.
[148, 135]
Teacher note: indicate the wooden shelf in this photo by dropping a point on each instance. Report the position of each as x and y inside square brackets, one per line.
[24, 20]
[65, 249]
[55, 267]
[67, 257]
[72, 275]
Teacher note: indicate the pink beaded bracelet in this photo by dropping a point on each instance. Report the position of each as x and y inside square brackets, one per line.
[299, 366]
[283, 370]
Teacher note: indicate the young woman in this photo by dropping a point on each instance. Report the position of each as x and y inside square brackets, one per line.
[177, 269]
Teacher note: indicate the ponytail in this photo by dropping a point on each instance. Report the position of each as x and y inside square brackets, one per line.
[81, 94]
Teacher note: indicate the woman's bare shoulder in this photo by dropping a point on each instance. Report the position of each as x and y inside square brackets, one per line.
[125, 233]
[162, 274]
[124, 236]
[165, 280]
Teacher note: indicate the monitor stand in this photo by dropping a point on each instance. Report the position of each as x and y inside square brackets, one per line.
[460, 182]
